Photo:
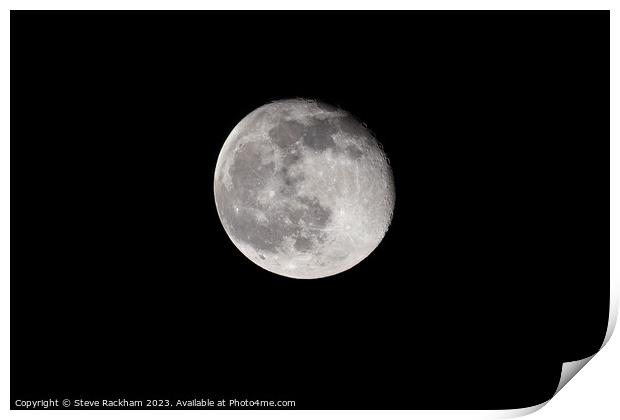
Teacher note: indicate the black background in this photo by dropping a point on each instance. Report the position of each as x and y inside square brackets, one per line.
[495, 269]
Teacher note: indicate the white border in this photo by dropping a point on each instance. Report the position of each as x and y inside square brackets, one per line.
[604, 378]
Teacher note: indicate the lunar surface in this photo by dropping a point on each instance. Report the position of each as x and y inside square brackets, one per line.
[303, 189]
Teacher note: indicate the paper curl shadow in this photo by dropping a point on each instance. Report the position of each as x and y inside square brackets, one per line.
[570, 369]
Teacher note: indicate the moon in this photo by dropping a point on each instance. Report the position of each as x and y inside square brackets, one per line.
[303, 189]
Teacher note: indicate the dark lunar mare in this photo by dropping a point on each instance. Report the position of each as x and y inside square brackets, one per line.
[283, 219]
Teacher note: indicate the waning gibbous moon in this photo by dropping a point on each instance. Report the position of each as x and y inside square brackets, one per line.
[303, 189]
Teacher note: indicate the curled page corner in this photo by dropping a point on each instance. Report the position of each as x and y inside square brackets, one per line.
[570, 369]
